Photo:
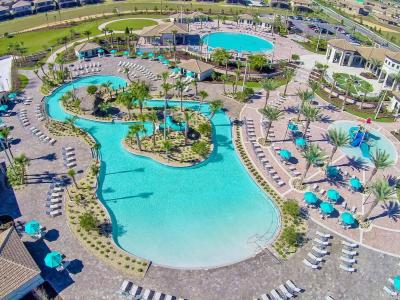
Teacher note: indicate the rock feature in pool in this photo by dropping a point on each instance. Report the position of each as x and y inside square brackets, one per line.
[239, 42]
[205, 216]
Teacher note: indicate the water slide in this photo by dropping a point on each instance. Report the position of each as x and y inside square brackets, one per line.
[358, 139]
[173, 125]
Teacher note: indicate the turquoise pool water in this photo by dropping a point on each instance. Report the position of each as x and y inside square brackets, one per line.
[375, 141]
[208, 215]
[237, 41]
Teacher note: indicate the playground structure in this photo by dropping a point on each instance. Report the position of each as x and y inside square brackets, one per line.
[362, 138]
[171, 124]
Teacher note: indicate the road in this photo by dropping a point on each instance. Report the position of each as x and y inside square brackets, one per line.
[377, 38]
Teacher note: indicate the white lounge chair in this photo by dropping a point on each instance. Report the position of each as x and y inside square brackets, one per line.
[390, 291]
[55, 213]
[324, 235]
[350, 245]
[347, 269]
[275, 295]
[308, 264]
[285, 291]
[133, 290]
[292, 286]
[157, 296]
[315, 258]
[348, 252]
[348, 260]
[146, 294]
[168, 297]
[125, 287]
[264, 297]
[318, 241]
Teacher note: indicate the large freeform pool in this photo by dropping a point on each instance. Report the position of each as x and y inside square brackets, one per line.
[367, 144]
[209, 215]
[237, 41]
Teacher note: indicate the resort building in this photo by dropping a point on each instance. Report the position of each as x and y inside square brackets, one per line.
[67, 3]
[302, 5]
[188, 18]
[21, 8]
[18, 271]
[282, 4]
[87, 50]
[165, 34]
[201, 69]
[4, 12]
[245, 19]
[266, 22]
[44, 5]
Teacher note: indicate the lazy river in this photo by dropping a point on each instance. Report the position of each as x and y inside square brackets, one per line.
[208, 215]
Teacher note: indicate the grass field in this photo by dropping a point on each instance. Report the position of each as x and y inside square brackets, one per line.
[134, 24]
[359, 87]
[23, 81]
[39, 40]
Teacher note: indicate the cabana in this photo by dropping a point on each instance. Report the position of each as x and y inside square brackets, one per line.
[87, 50]
[199, 69]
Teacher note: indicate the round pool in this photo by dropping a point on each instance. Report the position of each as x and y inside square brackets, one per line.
[208, 215]
[363, 143]
[237, 41]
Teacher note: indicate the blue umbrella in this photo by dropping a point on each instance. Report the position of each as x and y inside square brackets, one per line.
[151, 54]
[285, 154]
[126, 53]
[53, 259]
[301, 142]
[189, 74]
[100, 51]
[293, 126]
[310, 198]
[3, 107]
[355, 183]
[166, 62]
[332, 171]
[326, 208]
[139, 53]
[333, 194]
[12, 95]
[347, 218]
[32, 227]
[396, 282]
[160, 57]
[176, 70]
[113, 51]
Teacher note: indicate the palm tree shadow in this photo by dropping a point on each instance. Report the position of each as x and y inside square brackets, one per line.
[291, 110]
[325, 119]
[391, 210]
[355, 163]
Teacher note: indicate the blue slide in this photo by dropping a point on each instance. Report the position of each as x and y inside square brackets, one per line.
[358, 139]
[173, 125]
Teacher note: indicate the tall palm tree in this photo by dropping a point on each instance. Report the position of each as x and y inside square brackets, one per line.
[383, 192]
[96, 147]
[134, 131]
[180, 87]
[22, 161]
[203, 95]
[3, 146]
[71, 173]
[381, 160]
[268, 85]
[348, 85]
[164, 76]
[87, 33]
[215, 106]
[126, 100]
[322, 70]
[305, 97]
[335, 77]
[187, 116]
[272, 114]
[311, 113]
[224, 78]
[337, 138]
[167, 146]
[313, 155]
[288, 74]
[166, 88]
[152, 117]
[5, 133]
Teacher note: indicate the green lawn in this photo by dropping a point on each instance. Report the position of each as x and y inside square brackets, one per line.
[39, 40]
[359, 87]
[136, 24]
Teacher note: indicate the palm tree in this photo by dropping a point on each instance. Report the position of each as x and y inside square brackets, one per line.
[348, 85]
[152, 117]
[87, 33]
[166, 87]
[224, 78]
[381, 160]
[322, 70]
[396, 80]
[187, 117]
[126, 100]
[5, 133]
[203, 95]
[383, 192]
[305, 97]
[221, 57]
[268, 85]
[288, 74]
[180, 87]
[335, 77]
[311, 113]
[22, 161]
[271, 113]
[135, 130]
[71, 173]
[96, 147]
[71, 122]
[215, 106]
[167, 146]
[337, 138]
[164, 76]
[313, 155]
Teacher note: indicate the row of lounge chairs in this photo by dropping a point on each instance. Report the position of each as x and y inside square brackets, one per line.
[85, 71]
[41, 136]
[287, 290]
[39, 113]
[318, 251]
[347, 259]
[87, 66]
[132, 291]
[68, 155]
[23, 117]
[54, 198]
[145, 72]
[27, 100]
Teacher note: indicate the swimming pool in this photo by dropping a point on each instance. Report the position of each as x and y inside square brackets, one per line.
[376, 140]
[237, 41]
[208, 215]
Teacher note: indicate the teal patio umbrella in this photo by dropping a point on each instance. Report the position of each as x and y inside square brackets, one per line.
[396, 282]
[101, 51]
[301, 142]
[126, 53]
[176, 70]
[285, 154]
[151, 55]
[139, 53]
[166, 62]
[326, 208]
[160, 57]
[189, 74]
[32, 227]
[113, 51]
[12, 95]
[333, 194]
[347, 218]
[293, 126]
[332, 171]
[355, 183]
[310, 198]
[3, 107]
[53, 259]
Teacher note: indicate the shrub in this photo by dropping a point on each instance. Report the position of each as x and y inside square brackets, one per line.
[88, 222]
[201, 148]
[290, 236]
[91, 89]
[205, 129]
[291, 208]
